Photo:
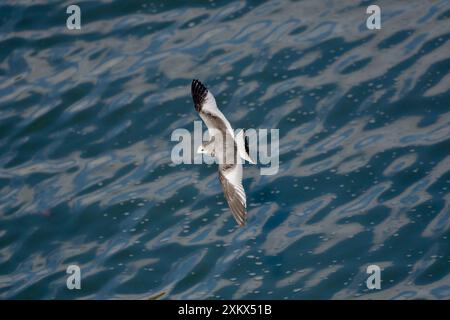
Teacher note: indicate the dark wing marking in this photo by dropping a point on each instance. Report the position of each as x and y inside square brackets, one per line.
[233, 195]
[247, 148]
[199, 93]
[213, 121]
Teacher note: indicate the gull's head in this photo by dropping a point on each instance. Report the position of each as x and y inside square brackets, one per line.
[201, 149]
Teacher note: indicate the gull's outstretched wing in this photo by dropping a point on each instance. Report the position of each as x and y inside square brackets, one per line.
[206, 106]
[230, 176]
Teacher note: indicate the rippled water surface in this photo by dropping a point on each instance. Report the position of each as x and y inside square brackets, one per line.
[86, 176]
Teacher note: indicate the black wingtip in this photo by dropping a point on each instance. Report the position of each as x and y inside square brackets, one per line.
[199, 92]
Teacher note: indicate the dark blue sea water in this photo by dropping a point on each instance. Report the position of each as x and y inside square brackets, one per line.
[86, 176]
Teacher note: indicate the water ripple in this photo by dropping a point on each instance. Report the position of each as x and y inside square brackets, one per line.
[86, 177]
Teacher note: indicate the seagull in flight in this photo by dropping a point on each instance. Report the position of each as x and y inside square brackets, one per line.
[226, 147]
